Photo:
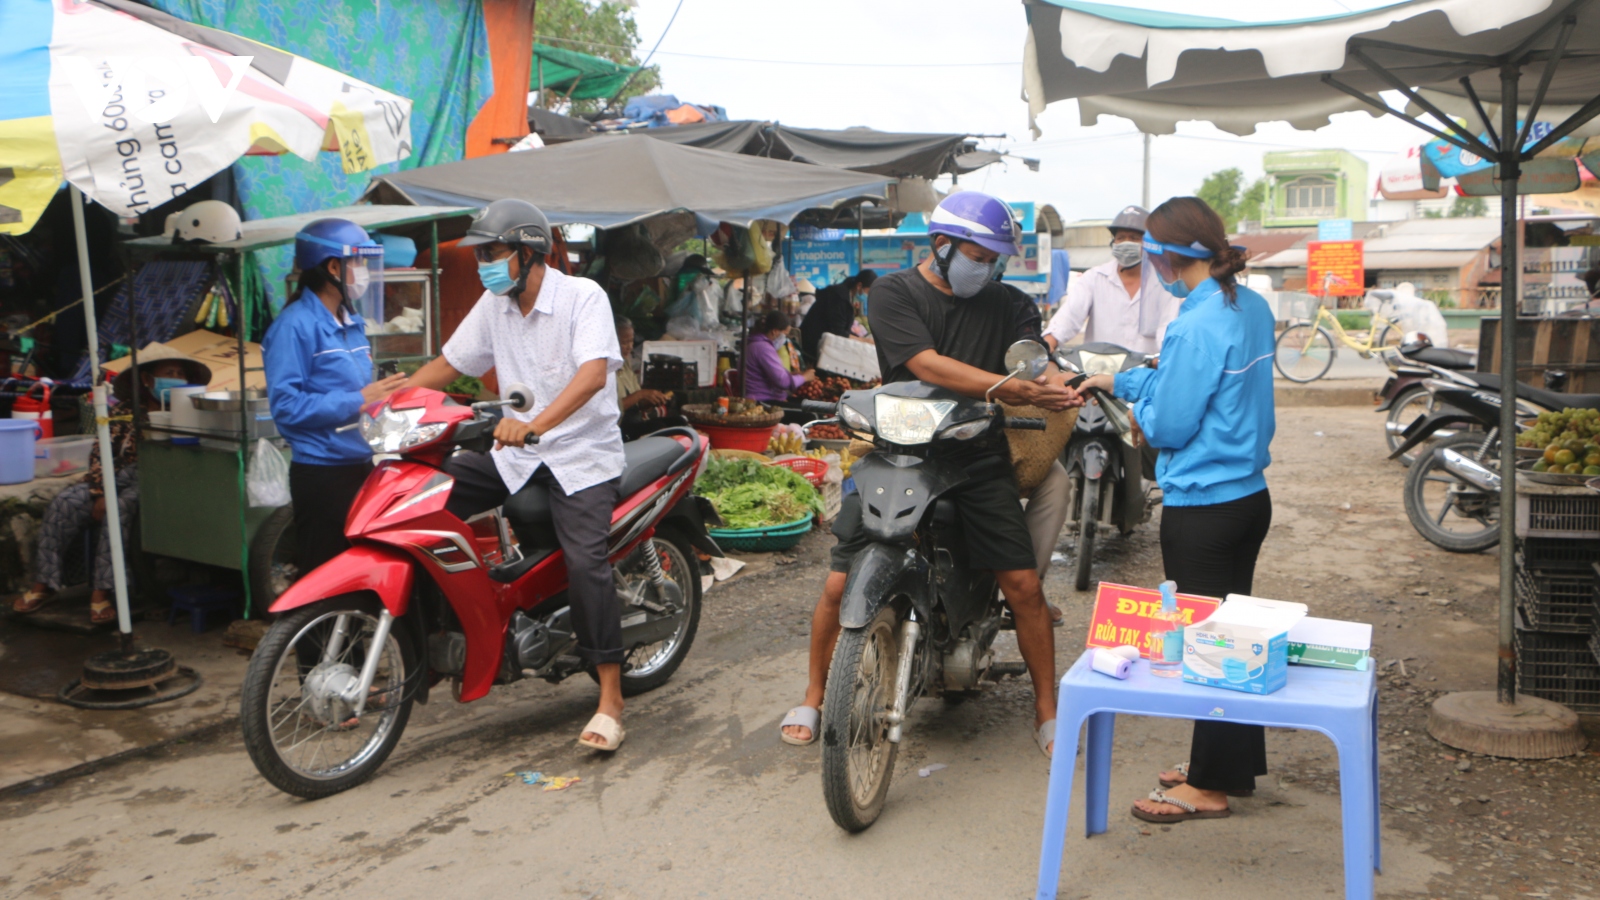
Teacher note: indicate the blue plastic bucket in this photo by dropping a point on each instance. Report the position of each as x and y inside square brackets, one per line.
[16, 450]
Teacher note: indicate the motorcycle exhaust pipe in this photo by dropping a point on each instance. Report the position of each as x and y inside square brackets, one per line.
[1470, 471]
[1398, 430]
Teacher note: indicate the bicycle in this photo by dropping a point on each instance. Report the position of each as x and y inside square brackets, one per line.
[1305, 350]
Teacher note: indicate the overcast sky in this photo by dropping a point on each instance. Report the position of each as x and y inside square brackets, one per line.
[956, 65]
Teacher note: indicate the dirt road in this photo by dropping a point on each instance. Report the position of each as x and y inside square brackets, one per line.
[704, 801]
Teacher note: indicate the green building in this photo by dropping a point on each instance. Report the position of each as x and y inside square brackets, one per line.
[1305, 186]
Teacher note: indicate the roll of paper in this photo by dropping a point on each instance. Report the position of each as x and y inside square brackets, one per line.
[1126, 651]
[1107, 662]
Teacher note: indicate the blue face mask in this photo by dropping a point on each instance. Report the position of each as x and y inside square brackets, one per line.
[163, 385]
[496, 276]
[780, 341]
[1177, 288]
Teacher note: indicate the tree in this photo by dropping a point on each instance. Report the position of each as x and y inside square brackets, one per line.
[605, 29]
[1468, 207]
[1226, 192]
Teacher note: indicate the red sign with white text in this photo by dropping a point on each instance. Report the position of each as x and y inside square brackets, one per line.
[1335, 268]
[1122, 615]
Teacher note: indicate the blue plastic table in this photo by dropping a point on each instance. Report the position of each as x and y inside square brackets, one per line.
[1341, 705]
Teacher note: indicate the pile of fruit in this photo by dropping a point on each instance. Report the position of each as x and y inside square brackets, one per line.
[845, 459]
[1571, 442]
[831, 387]
[829, 433]
[738, 411]
[787, 439]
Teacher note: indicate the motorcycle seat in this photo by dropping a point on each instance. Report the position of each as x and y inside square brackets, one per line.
[1444, 358]
[644, 460]
[1489, 381]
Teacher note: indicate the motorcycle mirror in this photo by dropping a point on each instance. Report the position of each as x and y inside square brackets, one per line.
[1027, 359]
[519, 397]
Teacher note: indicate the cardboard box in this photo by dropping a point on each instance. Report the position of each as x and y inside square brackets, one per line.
[1243, 646]
[1331, 643]
[219, 352]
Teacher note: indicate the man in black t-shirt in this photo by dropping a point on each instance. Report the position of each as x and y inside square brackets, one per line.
[947, 322]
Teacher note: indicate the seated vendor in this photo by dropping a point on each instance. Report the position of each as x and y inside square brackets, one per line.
[643, 411]
[78, 507]
[766, 378]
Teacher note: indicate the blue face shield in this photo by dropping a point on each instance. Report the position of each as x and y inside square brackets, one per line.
[1156, 251]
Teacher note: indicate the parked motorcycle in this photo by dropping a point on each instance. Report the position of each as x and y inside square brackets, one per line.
[1403, 396]
[422, 596]
[917, 619]
[1109, 474]
[1452, 491]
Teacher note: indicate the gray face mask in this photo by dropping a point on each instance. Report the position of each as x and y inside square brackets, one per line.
[1127, 254]
[966, 276]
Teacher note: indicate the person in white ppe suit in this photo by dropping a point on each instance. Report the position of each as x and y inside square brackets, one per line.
[1117, 302]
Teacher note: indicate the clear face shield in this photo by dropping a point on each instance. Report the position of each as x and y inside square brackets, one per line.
[362, 276]
[1157, 252]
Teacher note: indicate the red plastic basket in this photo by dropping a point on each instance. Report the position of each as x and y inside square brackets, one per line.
[726, 437]
[815, 470]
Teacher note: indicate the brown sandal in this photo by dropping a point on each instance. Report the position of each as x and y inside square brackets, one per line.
[1189, 811]
[1183, 769]
[100, 615]
[29, 602]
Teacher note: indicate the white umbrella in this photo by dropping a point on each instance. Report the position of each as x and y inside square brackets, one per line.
[133, 107]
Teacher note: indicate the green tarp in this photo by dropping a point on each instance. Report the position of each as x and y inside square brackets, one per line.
[587, 77]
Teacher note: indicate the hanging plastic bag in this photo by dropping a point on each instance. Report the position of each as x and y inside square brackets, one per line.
[268, 477]
[779, 285]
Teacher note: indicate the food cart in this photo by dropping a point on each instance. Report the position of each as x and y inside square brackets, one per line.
[193, 501]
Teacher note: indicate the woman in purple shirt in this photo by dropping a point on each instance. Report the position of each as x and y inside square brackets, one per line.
[765, 378]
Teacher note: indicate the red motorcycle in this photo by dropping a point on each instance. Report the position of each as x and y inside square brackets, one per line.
[422, 596]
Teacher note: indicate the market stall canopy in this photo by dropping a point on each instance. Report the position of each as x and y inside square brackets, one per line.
[576, 76]
[1159, 68]
[629, 178]
[65, 115]
[414, 222]
[555, 128]
[897, 154]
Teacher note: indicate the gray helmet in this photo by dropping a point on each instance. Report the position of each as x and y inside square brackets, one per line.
[514, 222]
[1130, 219]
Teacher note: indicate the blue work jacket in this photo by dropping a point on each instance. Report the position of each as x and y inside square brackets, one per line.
[1209, 407]
[316, 369]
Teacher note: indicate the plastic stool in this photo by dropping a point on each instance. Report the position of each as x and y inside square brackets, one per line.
[197, 601]
[1342, 705]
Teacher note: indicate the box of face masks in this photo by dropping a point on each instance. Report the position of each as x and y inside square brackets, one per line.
[1331, 643]
[1242, 646]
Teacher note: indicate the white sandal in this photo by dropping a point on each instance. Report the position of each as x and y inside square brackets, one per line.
[608, 728]
[800, 717]
[1046, 736]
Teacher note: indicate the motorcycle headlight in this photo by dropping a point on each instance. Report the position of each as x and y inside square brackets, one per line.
[1102, 363]
[966, 431]
[907, 421]
[853, 420]
[392, 430]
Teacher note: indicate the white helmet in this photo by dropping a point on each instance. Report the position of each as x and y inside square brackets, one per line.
[206, 222]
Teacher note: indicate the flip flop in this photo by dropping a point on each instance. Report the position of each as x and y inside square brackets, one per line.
[802, 717]
[608, 728]
[1189, 811]
[1057, 617]
[102, 614]
[29, 602]
[1183, 769]
[1045, 736]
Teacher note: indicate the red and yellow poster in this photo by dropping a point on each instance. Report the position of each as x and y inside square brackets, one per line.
[1122, 615]
[1336, 268]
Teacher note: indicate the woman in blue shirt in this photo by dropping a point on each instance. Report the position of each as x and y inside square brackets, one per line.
[319, 375]
[1209, 410]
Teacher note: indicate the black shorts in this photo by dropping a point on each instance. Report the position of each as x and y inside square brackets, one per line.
[993, 530]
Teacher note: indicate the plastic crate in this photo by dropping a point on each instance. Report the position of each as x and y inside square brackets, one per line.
[1558, 599]
[762, 540]
[814, 470]
[1559, 553]
[1574, 515]
[1558, 667]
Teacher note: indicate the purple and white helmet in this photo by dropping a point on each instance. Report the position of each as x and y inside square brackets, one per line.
[976, 217]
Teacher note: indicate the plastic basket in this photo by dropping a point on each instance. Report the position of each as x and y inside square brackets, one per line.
[814, 470]
[1573, 515]
[1559, 553]
[763, 540]
[1558, 667]
[724, 437]
[1558, 599]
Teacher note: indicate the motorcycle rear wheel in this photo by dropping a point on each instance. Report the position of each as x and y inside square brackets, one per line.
[1430, 500]
[649, 666]
[314, 752]
[1413, 403]
[857, 755]
[1089, 493]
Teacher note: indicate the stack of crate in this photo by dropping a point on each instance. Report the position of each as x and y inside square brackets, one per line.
[1558, 595]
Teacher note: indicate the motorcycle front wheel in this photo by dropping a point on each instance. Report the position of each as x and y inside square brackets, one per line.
[299, 729]
[1447, 511]
[1089, 494]
[1304, 353]
[857, 755]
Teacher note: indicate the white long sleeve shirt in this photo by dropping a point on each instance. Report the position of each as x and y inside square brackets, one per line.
[1097, 297]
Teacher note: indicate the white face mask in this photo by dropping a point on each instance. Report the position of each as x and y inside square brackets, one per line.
[360, 280]
[1127, 254]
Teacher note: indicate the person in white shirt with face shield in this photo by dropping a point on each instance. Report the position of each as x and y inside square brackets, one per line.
[1116, 302]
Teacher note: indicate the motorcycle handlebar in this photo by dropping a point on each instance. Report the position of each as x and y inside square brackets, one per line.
[818, 406]
[1025, 423]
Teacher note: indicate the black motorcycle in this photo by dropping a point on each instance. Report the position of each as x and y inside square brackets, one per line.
[1403, 398]
[917, 619]
[1109, 474]
[1452, 490]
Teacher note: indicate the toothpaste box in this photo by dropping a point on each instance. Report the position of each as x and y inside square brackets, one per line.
[1331, 643]
[1242, 646]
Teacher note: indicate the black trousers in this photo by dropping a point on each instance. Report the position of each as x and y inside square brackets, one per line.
[322, 497]
[1211, 551]
[583, 524]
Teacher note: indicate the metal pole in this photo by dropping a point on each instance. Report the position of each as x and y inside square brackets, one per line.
[1146, 194]
[1510, 276]
[861, 228]
[108, 472]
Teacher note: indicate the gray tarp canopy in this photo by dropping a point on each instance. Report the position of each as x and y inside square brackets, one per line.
[629, 178]
[897, 154]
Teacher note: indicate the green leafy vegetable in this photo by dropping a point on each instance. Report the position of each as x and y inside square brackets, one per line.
[749, 494]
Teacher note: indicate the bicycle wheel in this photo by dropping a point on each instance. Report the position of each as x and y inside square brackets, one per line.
[1389, 338]
[1304, 353]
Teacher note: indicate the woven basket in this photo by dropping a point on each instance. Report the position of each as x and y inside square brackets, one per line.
[1032, 452]
[706, 414]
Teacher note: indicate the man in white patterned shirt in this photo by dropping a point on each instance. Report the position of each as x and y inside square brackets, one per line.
[552, 332]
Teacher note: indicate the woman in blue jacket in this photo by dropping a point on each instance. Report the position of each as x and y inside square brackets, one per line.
[319, 375]
[1209, 410]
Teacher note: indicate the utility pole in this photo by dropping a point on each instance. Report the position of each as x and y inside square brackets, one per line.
[1145, 202]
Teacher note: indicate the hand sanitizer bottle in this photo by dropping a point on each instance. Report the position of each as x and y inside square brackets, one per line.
[1166, 635]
